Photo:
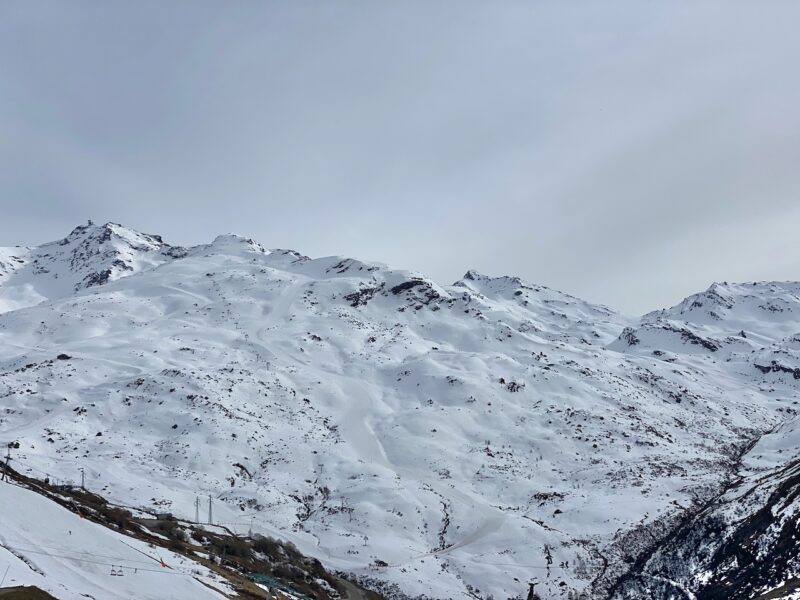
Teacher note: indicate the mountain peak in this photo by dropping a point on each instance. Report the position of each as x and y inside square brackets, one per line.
[500, 280]
[228, 242]
[109, 232]
[472, 275]
[88, 256]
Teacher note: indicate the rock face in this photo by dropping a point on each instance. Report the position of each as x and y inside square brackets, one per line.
[433, 440]
[89, 256]
[743, 542]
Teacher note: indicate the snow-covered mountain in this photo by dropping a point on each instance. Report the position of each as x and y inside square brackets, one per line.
[439, 441]
[87, 257]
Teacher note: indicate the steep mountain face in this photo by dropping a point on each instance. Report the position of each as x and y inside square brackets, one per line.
[742, 542]
[88, 256]
[434, 441]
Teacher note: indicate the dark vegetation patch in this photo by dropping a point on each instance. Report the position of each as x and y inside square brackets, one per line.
[24, 593]
[237, 558]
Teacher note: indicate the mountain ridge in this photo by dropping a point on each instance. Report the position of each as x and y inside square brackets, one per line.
[433, 440]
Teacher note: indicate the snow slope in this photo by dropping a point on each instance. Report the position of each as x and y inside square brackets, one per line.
[45, 545]
[88, 256]
[742, 542]
[446, 441]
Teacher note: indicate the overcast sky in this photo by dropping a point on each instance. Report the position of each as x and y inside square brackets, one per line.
[627, 153]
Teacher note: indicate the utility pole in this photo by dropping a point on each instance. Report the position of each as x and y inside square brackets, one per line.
[210, 520]
[5, 464]
[197, 509]
[532, 595]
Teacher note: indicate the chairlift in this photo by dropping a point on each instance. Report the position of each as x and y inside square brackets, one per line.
[117, 572]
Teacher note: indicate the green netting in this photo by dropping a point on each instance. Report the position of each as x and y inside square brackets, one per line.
[274, 583]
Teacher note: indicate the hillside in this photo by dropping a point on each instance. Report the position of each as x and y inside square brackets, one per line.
[438, 441]
[46, 545]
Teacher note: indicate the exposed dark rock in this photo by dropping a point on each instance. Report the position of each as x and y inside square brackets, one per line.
[629, 335]
[407, 285]
[776, 367]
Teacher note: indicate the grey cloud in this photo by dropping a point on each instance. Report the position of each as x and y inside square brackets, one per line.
[600, 149]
